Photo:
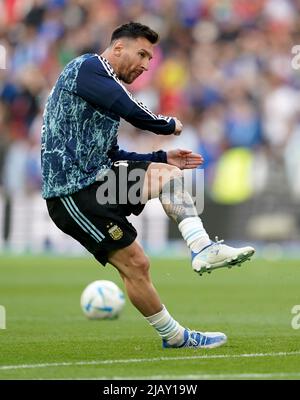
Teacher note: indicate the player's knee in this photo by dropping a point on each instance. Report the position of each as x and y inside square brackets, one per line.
[140, 264]
[177, 171]
[165, 170]
[174, 172]
[138, 267]
[170, 175]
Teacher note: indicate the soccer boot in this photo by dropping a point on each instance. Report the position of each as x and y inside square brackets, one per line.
[219, 255]
[199, 340]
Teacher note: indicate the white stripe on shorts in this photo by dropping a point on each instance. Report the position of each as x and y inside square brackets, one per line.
[81, 219]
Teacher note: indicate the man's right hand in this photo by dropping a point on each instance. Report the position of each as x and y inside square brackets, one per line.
[178, 127]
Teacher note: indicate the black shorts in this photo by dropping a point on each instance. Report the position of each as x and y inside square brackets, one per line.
[102, 228]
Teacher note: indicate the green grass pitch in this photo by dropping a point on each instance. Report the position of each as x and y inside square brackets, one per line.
[47, 336]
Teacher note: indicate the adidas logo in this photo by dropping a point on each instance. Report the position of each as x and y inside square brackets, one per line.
[216, 251]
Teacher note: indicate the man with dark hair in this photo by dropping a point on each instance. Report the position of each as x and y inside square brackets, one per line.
[135, 30]
[80, 153]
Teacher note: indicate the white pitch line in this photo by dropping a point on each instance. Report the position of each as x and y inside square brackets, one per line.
[190, 377]
[146, 360]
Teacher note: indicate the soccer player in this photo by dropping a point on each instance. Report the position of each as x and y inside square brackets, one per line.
[80, 155]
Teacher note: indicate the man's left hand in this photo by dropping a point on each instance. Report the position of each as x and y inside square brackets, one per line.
[184, 159]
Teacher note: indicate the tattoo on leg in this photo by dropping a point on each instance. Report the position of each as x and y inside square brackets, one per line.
[177, 203]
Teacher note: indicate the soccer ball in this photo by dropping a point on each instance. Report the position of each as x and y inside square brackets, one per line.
[102, 300]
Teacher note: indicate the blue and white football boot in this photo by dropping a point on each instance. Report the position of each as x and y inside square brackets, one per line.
[199, 340]
[219, 255]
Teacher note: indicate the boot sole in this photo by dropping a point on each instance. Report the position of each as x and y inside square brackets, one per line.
[229, 262]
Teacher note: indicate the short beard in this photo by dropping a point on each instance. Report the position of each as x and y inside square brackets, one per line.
[124, 78]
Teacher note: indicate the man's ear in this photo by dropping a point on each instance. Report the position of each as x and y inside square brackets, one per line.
[118, 48]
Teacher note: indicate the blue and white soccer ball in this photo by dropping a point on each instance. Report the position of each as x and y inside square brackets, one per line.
[102, 300]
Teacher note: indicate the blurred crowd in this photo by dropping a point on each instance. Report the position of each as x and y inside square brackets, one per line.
[223, 67]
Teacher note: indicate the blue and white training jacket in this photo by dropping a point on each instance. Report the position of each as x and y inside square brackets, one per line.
[81, 120]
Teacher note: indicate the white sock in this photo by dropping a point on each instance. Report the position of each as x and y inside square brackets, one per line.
[194, 234]
[167, 327]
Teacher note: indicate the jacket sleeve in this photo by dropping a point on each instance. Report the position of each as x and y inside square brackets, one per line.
[98, 84]
[116, 154]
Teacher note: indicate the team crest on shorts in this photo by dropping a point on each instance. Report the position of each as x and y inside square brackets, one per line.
[115, 232]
